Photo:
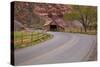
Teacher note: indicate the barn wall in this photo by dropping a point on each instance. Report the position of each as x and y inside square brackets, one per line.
[46, 28]
[73, 29]
[60, 29]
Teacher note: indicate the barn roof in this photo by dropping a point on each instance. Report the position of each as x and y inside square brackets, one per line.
[58, 21]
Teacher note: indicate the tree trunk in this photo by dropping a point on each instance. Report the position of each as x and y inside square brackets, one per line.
[85, 29]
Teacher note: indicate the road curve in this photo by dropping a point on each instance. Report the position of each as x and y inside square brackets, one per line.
[64, 47]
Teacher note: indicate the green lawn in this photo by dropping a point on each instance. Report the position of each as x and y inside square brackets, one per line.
[89, 32]
[25, 39]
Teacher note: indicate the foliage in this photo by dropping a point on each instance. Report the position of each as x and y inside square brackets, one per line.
[87, 15]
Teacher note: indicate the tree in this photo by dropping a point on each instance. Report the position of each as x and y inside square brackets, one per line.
[87, 15]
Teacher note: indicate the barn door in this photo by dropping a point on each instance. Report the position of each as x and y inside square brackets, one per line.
[53, 27]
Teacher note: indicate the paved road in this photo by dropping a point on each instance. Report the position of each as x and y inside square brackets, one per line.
[64, 47]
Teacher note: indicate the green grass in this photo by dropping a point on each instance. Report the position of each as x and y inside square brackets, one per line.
[25, 39]
[78, 31]
[88, 33]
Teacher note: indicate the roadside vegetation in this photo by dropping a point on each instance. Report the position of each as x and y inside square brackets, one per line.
[24, 39]
[87, 16]
[88, 32]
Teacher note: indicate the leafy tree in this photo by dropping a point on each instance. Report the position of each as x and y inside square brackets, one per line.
[87, 15]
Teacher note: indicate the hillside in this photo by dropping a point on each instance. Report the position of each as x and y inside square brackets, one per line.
[34, 15]
[24, 14]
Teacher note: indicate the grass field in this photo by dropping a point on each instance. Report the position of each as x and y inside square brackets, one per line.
[25, 39]
[89, 32]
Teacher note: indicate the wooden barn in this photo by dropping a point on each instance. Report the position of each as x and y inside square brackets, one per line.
[54, 25]
[53, 16]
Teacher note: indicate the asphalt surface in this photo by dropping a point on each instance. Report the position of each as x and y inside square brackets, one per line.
[63, 47]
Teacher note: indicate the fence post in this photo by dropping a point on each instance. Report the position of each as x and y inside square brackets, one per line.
[31, 37]
[21, 37]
